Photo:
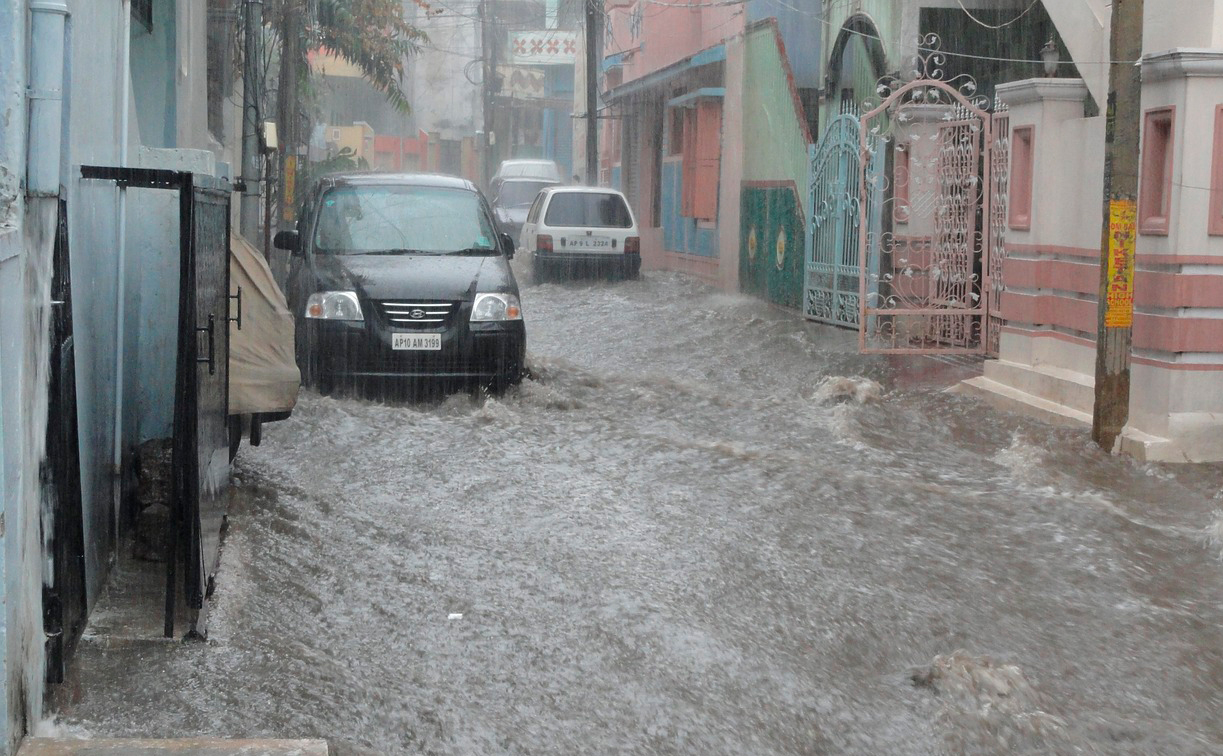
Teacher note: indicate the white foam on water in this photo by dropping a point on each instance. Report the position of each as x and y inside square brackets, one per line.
[1214, 533]
[52, 727]
[836, 388]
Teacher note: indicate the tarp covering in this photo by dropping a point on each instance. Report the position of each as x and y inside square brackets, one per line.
[263, 374]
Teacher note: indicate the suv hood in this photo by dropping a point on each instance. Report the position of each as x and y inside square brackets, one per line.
[425, 277]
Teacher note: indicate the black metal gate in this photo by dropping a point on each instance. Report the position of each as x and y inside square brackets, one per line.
[201, 403]
[64, 607]
[201, 407]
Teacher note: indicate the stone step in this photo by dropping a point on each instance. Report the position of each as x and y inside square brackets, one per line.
[1014, 400]
[180, 746]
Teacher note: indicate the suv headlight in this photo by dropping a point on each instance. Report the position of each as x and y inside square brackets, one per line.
[334, 305]
[491, 308]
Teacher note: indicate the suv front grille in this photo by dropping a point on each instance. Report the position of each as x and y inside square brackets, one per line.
[416, 314]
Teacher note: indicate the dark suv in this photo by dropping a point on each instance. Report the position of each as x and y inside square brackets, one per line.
[403, 276]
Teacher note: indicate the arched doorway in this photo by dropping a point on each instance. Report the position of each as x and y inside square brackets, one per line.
[857, 61]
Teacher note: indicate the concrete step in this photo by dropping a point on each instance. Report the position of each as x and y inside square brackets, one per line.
[1014, 400]
[179, 746]
[1065, 387]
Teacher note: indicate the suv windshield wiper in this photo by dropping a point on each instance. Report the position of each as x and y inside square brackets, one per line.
[481, 251]
[395, 251]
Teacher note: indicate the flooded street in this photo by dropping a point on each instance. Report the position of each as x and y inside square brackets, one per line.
[685, 535]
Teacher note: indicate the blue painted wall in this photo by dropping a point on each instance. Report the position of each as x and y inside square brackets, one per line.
[679, 233]
[12, 345]
[801, 30]
[558, 121]
[153, 55]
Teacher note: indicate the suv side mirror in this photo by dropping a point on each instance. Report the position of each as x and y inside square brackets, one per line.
[288, 240]
[507, 245]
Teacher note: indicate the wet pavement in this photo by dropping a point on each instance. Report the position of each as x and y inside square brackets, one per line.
[702, 527]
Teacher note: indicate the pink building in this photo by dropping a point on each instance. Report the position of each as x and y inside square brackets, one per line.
[1047, 358]
[666, 140]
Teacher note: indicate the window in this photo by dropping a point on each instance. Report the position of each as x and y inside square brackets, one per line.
[142, 13]
[533, 213]
[1215, 225]
[519, 193]
[595, 209]
[702, 161]
[1155, 191]
[675, 131]
[1020, 214]
[381, 219]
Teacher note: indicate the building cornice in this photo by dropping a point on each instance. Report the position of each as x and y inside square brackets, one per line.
[1028, 91]
[1182, 63]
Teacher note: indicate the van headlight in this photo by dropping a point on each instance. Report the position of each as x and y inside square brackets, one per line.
[492, 308]
[334, 305]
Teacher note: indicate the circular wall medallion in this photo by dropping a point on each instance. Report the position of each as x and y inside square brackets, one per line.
[752, 244]
[781, 249]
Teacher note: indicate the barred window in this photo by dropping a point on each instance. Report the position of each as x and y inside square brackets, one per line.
[142, 12]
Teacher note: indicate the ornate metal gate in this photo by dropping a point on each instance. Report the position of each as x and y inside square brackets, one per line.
[834, 197]
[999, 207]
[927, 175]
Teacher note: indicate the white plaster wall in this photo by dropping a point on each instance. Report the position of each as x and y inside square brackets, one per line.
[1195, 100]
[1067, 174]
[1195, 23]
[95, 105]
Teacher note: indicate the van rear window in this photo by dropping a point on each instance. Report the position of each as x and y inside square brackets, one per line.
[588, 209]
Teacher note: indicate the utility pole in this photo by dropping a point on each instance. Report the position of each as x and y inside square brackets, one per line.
[292, 61]
[1120, 228]
[486, 53]
[592, 91]
[251, 118]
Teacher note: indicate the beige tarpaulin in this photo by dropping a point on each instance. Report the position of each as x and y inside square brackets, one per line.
[263, 374]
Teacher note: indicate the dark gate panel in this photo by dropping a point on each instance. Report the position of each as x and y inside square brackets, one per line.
[201, 437]
[201, 399]
[64, 606]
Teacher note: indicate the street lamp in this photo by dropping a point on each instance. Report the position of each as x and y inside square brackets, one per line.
[1050, 55]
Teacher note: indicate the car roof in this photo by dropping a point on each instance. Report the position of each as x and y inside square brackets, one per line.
[518, 168]
[374, 178]
[530, 180]
[584, 190]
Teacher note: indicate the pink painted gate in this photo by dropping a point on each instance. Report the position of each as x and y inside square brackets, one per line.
[933, 173]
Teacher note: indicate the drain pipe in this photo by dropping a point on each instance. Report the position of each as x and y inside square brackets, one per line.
[48, 27]
[125, 69]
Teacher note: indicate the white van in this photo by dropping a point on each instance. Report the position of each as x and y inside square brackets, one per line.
[578, 227]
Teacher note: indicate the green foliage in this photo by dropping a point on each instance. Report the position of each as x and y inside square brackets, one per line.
[344, 160]
[371, 34]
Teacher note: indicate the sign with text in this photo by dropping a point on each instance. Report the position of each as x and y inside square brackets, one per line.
[523, 83]
[549, 47]
[1122, 237]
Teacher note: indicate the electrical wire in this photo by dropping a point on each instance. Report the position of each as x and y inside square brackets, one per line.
[999, 26]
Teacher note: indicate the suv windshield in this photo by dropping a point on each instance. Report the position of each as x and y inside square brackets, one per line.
[588, 209]
[519, 193]
[419, 219]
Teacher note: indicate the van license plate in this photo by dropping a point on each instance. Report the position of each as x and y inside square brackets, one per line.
[416, 342]
[590, 242]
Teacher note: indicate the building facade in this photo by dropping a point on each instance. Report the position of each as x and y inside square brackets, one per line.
[92, 84]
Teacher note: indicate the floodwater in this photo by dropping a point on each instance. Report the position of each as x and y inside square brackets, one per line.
[702, 527]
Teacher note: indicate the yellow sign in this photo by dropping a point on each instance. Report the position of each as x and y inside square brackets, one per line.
[289, 200]
[1122, 236]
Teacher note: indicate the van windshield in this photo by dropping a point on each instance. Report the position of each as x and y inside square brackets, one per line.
[588, 209]
[403, 219]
